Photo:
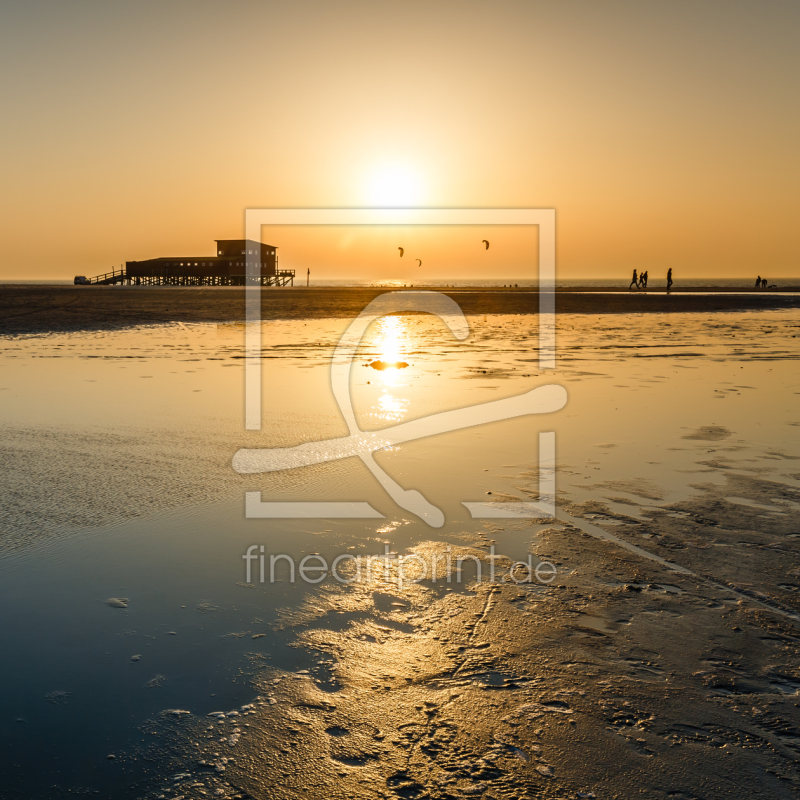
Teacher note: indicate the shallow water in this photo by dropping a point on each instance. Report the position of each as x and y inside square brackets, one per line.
[117, 450]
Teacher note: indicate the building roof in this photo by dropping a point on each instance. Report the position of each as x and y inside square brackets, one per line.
[249, 241]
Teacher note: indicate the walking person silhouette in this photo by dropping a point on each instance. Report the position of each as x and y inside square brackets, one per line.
[669, 279]
[634, 281]
[758, 282]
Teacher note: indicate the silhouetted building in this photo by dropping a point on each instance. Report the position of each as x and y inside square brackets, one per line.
[227, 268]
[236, 259]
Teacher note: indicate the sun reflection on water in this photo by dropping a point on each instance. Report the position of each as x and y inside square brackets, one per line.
[391, 408]
[391, 347]
[391, 337]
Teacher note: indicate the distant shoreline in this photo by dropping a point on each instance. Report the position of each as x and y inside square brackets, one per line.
[29, 308]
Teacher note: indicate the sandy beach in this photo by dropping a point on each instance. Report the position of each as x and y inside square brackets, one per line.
[38, 309]
[659, 662]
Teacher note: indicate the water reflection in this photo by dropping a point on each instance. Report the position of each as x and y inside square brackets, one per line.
[391, 347]
[391, 408]
[191, 617]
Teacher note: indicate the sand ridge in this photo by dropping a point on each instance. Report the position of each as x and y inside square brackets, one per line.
[28, 309]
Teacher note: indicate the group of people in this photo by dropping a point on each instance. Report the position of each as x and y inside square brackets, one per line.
[640, 281]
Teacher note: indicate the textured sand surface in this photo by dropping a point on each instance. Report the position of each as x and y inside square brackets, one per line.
[662, 662]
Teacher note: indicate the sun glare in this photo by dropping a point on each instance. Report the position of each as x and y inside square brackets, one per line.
[394, 185]
[389, 344]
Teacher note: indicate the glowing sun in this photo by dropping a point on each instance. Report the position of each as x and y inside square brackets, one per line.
[394, 185]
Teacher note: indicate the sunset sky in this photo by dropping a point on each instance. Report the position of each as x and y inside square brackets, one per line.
[665, 134]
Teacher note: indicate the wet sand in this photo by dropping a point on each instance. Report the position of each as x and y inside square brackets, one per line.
[662, 662]
[621, 679]
[40, 309]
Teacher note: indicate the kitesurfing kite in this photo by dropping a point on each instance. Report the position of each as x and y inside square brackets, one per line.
[401, 251]
[486, 242]
[420, 262]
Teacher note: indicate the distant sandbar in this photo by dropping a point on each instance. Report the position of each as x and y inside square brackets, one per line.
[41, 308]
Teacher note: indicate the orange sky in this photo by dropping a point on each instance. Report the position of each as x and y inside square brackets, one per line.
[663, 133]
